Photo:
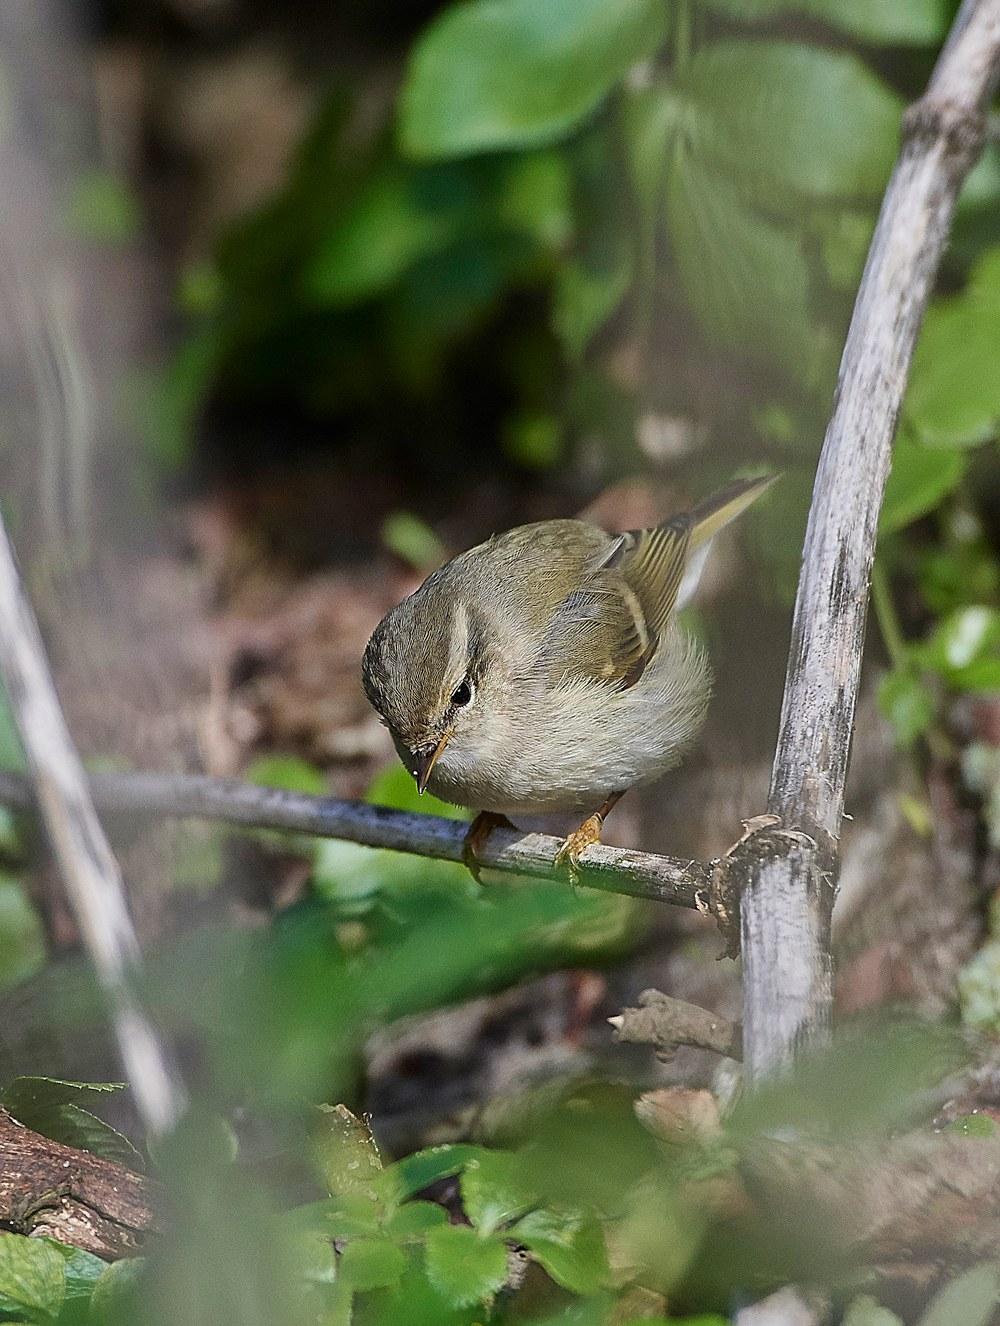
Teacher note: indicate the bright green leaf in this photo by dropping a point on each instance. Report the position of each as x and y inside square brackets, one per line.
[493, 1190]
[889, 22]
[414, 1219]
[920, 477]
[588, 289]
[790, 122]
[397, 788]
[463, 1267]
[569, 1245]
[745, 277]
[289, 772]
[953, 398]
[963, 636]
[413, 540]
[346, 1152]
[372, 1263]
[969, 1300]
[907, 704]
[382, 236]
[32, 1274]
[972, 1125]
[411, 1175]
[515, 73]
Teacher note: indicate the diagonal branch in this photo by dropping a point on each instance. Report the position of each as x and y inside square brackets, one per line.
[788, 899]
[88, 867]
[613, 869]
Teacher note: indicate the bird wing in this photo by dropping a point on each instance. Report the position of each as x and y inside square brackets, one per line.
[608, 629]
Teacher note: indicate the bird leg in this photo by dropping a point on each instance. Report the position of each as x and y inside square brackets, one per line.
[586, 835]
[479, 830]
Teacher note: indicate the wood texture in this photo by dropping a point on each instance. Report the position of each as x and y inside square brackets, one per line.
[613, 869]
[789, 895]
[73, 1196]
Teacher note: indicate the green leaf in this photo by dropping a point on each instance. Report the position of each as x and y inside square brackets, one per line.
[413, 540]
[463, 1267]
[587, 292]
[790, 122]
[289, 772]
[888, 22]
[54, 1109]
[493, 1190]
[907, 704]
[388, 229]
[22, 938]
[920, 478]
[371, 1263]
[745, 277]
[569, 1245]
[953, 398]
[115, 1287]
[414, 1219]
[346, 1152]
[865, 1311]
[83, 1269]
[515, 73]
[102, 207]
[32, 1274]
[395, 787]
[406, 1177]
[968, 1301]
[536, 197]
[972, 1125]
[963, 637]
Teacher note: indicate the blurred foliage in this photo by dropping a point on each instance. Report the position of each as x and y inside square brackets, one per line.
[560, 188]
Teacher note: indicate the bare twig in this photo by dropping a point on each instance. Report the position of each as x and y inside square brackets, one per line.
[614, 869]
[86, 862]
[666, 1023]
[789, 895]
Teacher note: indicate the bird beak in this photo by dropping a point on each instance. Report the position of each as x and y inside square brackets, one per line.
[425, 760]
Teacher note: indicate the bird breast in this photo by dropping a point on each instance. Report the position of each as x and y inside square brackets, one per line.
[567, 747]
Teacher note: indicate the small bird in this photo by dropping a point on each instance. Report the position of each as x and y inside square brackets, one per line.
[544, 670]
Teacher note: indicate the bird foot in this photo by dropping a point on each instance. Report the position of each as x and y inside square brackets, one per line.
[479, 830]
[577, 843]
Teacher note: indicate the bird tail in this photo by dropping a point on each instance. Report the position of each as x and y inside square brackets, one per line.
[709, 516]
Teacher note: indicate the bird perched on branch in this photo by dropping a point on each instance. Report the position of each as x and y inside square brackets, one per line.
[544, 670]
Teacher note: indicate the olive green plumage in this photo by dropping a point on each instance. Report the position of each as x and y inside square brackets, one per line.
[544, 669]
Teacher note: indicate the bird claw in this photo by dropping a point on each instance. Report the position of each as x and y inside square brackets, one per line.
[576, 844]
[479, 830]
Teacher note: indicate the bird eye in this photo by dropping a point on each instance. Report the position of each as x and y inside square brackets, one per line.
[461, 695]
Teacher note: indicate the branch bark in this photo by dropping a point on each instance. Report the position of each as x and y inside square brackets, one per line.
[73, 1196]
[613, 869]
[788, 898]
[88, 867]
[667, 1023]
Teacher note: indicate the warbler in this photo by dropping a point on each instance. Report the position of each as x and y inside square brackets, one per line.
[545, 670]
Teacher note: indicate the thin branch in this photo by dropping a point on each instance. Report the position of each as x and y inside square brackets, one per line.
[667, 1023]
[789, 895]
[87, 865]
[613, 869]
